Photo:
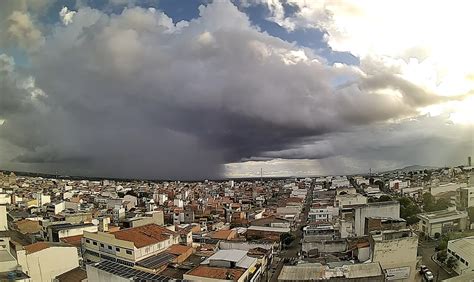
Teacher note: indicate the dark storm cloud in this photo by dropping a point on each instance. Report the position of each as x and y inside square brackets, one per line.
[135, 95]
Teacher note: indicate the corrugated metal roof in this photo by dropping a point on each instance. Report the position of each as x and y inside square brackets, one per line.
[269, 229]
[228, 255]
[363, 270]
[238, 256]
[307, 271]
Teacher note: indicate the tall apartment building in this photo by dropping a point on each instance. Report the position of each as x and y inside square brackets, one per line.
[465, 197]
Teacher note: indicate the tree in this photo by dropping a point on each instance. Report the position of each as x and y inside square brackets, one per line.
[428, 202]
[442, 204]
[442, 256]
[431, 204]
[409, 210]
[443, 243]
[451, 262]
[470, 212]
[384, 198]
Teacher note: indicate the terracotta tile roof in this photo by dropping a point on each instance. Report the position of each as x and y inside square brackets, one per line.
[28, 226]
[144, 235]
[73, 240]
[217, 272]
[222, 234]
[178, 249]
[36, 247]
[76, 200]
[39, 246]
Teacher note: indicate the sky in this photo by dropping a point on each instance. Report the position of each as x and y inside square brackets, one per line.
[164, 89]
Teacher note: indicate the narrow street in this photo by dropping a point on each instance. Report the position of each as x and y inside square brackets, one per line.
[291, 251]
[427, 249]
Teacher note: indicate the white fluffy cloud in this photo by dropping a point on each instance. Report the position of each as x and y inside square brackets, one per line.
[66, 15]
[424, 42]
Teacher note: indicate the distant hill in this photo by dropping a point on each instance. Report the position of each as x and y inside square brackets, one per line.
[413, 168]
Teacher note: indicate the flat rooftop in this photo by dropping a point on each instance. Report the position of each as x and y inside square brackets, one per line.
[464, 246]
[443, 215]
[5, 256]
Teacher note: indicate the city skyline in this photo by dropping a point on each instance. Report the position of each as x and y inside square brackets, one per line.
[212, 89]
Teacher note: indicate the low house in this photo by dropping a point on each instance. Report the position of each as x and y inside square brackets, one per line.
[226, 265]
[462, 250]
[437, 223]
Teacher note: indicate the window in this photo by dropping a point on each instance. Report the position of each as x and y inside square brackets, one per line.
[102, 245]
[110, 247]
[117, 249]
[129, 252]
[88, 241]
[94, 243]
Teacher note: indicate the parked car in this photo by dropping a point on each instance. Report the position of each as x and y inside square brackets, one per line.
[423, 269]
[429, 276]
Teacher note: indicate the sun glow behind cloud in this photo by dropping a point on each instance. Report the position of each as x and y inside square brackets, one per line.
[424, 42]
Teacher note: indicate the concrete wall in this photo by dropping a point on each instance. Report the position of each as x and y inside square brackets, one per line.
[46, 264]
[325, 246]
[5, 199]
[188, 277]
[350, 199]
[3, 218]
[391, 209]
[7, 261]
[94, 274]
[396, 253]
[76, 231]
[109, 240]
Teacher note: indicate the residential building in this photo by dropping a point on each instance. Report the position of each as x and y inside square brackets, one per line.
[389, 209]
[43, 261]
[115, 272]
[465, 197]
[318, 272]
[58, 231]
[325, 213]
[437, 223]
[350, 200]
[128, 246]
[462, 250]
[55, 207]
[226, 265]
